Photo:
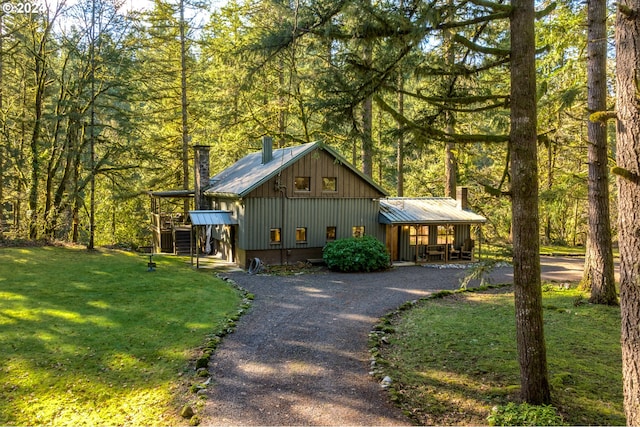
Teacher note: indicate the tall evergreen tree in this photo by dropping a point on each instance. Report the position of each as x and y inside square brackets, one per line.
[628, 183]
[598, 268]
[534, 380]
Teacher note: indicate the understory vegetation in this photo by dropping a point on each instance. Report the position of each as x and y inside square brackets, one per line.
[93, 338]
[451, 359]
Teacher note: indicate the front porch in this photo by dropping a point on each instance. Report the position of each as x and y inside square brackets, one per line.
[440, 243]
[430, 230]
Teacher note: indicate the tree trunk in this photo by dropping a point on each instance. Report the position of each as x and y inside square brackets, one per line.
[367, 113]
[40, 76]
[450, 167]
[400, 145]
[92, 134]
[524, 189]
[628, 181]
[367, 136]
[450, 163]
[3, 140]
[184, 104]
[598, 269]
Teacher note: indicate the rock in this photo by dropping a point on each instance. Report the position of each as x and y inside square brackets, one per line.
[187, 411]
[386, 382]
[202, 362]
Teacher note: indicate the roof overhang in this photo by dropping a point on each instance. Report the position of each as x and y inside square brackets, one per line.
[172, 193]
[209, 217]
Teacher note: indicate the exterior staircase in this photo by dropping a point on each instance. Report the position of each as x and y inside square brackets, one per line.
[182, 240]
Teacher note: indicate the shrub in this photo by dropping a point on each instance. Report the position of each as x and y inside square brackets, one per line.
[513, 414]
[364, 253]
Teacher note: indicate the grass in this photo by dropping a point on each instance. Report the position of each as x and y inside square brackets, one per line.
[92, 338]
[556, 250]
[501, 252]
[452, 359]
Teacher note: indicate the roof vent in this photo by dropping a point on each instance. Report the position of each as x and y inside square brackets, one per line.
[267, 149]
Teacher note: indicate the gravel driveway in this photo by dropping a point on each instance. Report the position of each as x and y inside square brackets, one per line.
[299, 356]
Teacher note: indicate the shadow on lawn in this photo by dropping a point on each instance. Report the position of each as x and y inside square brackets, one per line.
[453, 358]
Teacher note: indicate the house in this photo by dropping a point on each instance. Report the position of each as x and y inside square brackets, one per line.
[285, 205]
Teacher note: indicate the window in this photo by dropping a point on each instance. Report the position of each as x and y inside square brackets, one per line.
[358, 231]
[302, 183]
[276, 236]
[445, 234]
[419, 235]
[301, 235]
[331, 233]
[329, 183]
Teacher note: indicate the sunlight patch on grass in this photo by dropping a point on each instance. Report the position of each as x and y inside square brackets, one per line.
[17, 314]
[195, 326]
[99, 304]
[62, 314]
[9, 296]
[92, 338]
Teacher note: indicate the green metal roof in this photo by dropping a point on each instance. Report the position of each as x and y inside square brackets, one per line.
[425, 210]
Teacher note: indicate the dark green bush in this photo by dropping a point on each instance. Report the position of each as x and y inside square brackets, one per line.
[364, 253]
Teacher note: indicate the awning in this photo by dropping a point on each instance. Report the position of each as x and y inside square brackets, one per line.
[209, 217]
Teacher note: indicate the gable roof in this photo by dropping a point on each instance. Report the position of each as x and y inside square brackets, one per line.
[249, 173]
[425, 210]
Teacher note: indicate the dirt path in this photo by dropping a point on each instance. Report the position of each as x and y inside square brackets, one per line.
[299, 357]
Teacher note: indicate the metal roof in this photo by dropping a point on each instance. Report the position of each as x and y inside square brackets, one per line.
[172, 193]
[427, 210]
[212, 218]
[248, 173]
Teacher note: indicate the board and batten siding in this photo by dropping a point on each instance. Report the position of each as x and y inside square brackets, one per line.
[313, 214]
[316, 165]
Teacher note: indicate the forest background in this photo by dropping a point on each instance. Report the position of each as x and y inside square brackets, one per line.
[99, 104]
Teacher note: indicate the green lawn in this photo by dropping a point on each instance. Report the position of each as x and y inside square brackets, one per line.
[452, 359]
[95, 339]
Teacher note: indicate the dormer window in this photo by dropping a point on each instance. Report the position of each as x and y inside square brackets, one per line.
[302, 183]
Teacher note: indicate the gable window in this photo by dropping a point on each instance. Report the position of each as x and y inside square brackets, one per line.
[329, 183]
[275, 235]
[301, 235]
[358, 231]
[331, 233]
[302, 183]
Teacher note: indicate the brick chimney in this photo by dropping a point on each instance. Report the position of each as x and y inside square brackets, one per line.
[201, 175]
[462, 197]
[267, 149]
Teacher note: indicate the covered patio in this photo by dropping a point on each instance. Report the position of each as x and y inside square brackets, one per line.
[430, 229]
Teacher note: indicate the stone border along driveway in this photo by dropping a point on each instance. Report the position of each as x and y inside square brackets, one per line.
[299, 356]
